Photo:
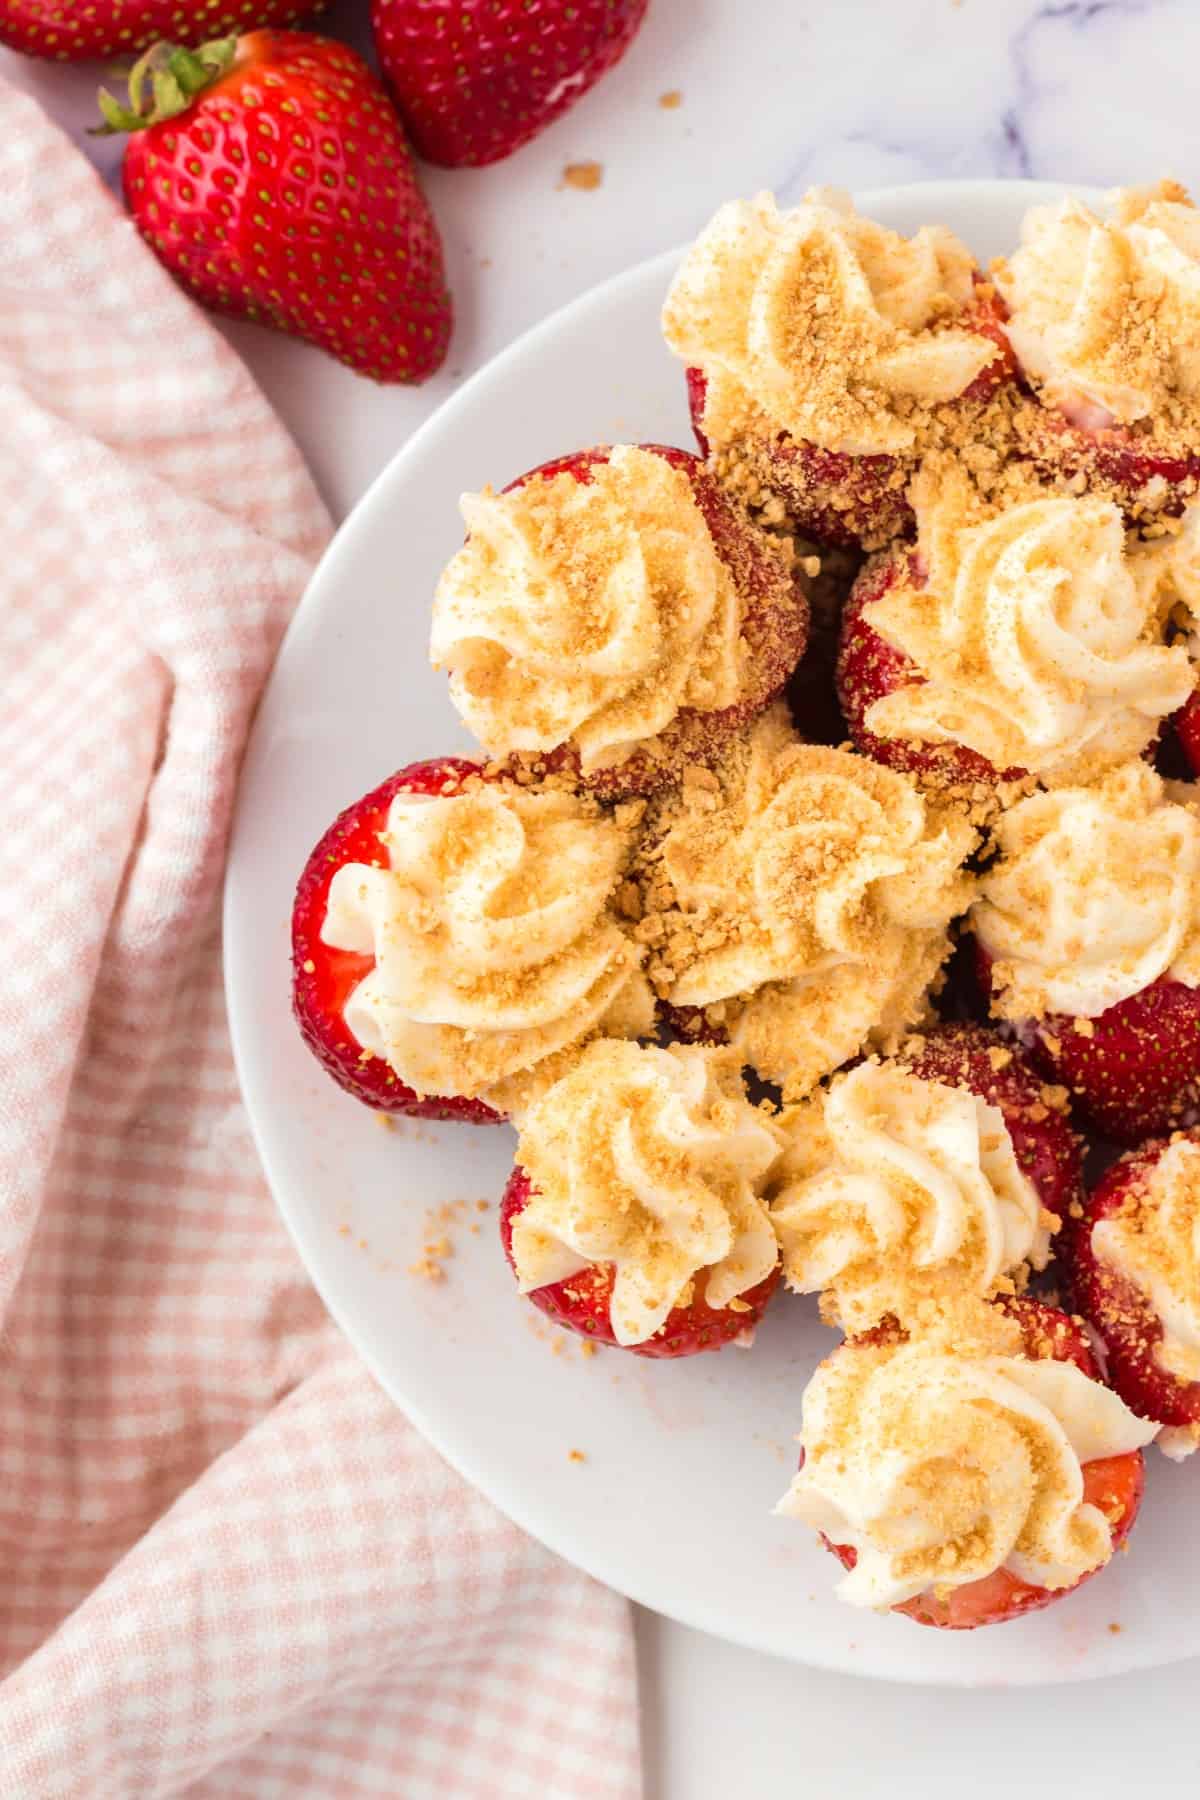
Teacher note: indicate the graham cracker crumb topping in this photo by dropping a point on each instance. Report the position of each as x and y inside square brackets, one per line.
[652, 1161]
[588, 612]
[809, 888]
[821, 324]
[495, 940]
[1103, 311]
[1036, 626]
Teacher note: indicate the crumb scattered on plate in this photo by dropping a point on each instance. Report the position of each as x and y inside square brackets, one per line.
[670, 100]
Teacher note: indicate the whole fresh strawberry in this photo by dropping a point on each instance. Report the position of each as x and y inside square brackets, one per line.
[476, 79]
[71, 33]
[273, 179]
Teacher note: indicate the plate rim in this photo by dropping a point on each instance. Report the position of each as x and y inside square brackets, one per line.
[515, 1503]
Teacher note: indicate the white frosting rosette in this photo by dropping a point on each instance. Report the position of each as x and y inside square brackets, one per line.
[652, 1161]
[815, 888]
[939, 1468]
[588, 612]
[1105, 310]
[820, 323]
[1037, 632]
[494, 939]
[1094, 895]
[896, 1192]
[1155, 1245]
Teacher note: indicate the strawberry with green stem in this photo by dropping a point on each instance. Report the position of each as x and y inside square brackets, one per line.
[272, 178]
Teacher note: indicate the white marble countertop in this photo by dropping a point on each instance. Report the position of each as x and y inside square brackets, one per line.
[779, 93]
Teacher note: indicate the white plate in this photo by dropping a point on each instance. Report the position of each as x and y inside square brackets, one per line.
[683, 1461]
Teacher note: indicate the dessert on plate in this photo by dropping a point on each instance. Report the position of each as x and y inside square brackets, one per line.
[612, 614]
[972, 1473]
[825, 353]
[1104, 319]
[454, 933]
[1134, 1268]
[1088, 929]
[1022, 637]
[907, 1184]
[635, 1214]
[1133, 1264]
[795, 901]
[703, 962]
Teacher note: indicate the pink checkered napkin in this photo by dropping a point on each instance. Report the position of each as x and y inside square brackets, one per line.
[228, 1567]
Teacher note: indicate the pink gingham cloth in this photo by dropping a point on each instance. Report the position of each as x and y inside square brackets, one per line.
[228, 1566]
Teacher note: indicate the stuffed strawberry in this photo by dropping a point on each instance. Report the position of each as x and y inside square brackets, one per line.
[635, 1215]
[665, 622]
[476, 79]
[455, 933]
[1133, 1258]
[325, 975]
[76, 33]
[273, 179]
[583, 1303]
[978, 1483]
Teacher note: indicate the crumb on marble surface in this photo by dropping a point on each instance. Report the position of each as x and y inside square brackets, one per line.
[586, 176]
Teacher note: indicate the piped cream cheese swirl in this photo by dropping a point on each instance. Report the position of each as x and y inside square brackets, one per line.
[1154, 1243]
[811, 884]
[939, 1468]
[1037, 632]
[652, 1161]
[896, 1193]
[1105, 311]
[494, 940]
[822, 324]
[588, 612]
[1095, 894]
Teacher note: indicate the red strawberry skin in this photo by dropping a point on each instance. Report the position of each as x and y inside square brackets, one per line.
[324, 978]
[859, 501]
[841, 501]
[1113, 1483]
[1133, 1071]
[868, 667]
[775, 626]
[1129, 1326]
[1048, 1149]
[1187, 726]
[286, 193]
[65, 32]
[1114, 461]
[581, 1303]
[476, 79]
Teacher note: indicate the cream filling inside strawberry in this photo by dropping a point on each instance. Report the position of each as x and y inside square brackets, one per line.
[821, 324]
[651, 1161]
[1037, 638]
[1103, 309]
[810, 886]
[896, 1193]
[494, 942]
[588, 612]
[938, 1468]
[1095, 895]
[1155, 1245]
